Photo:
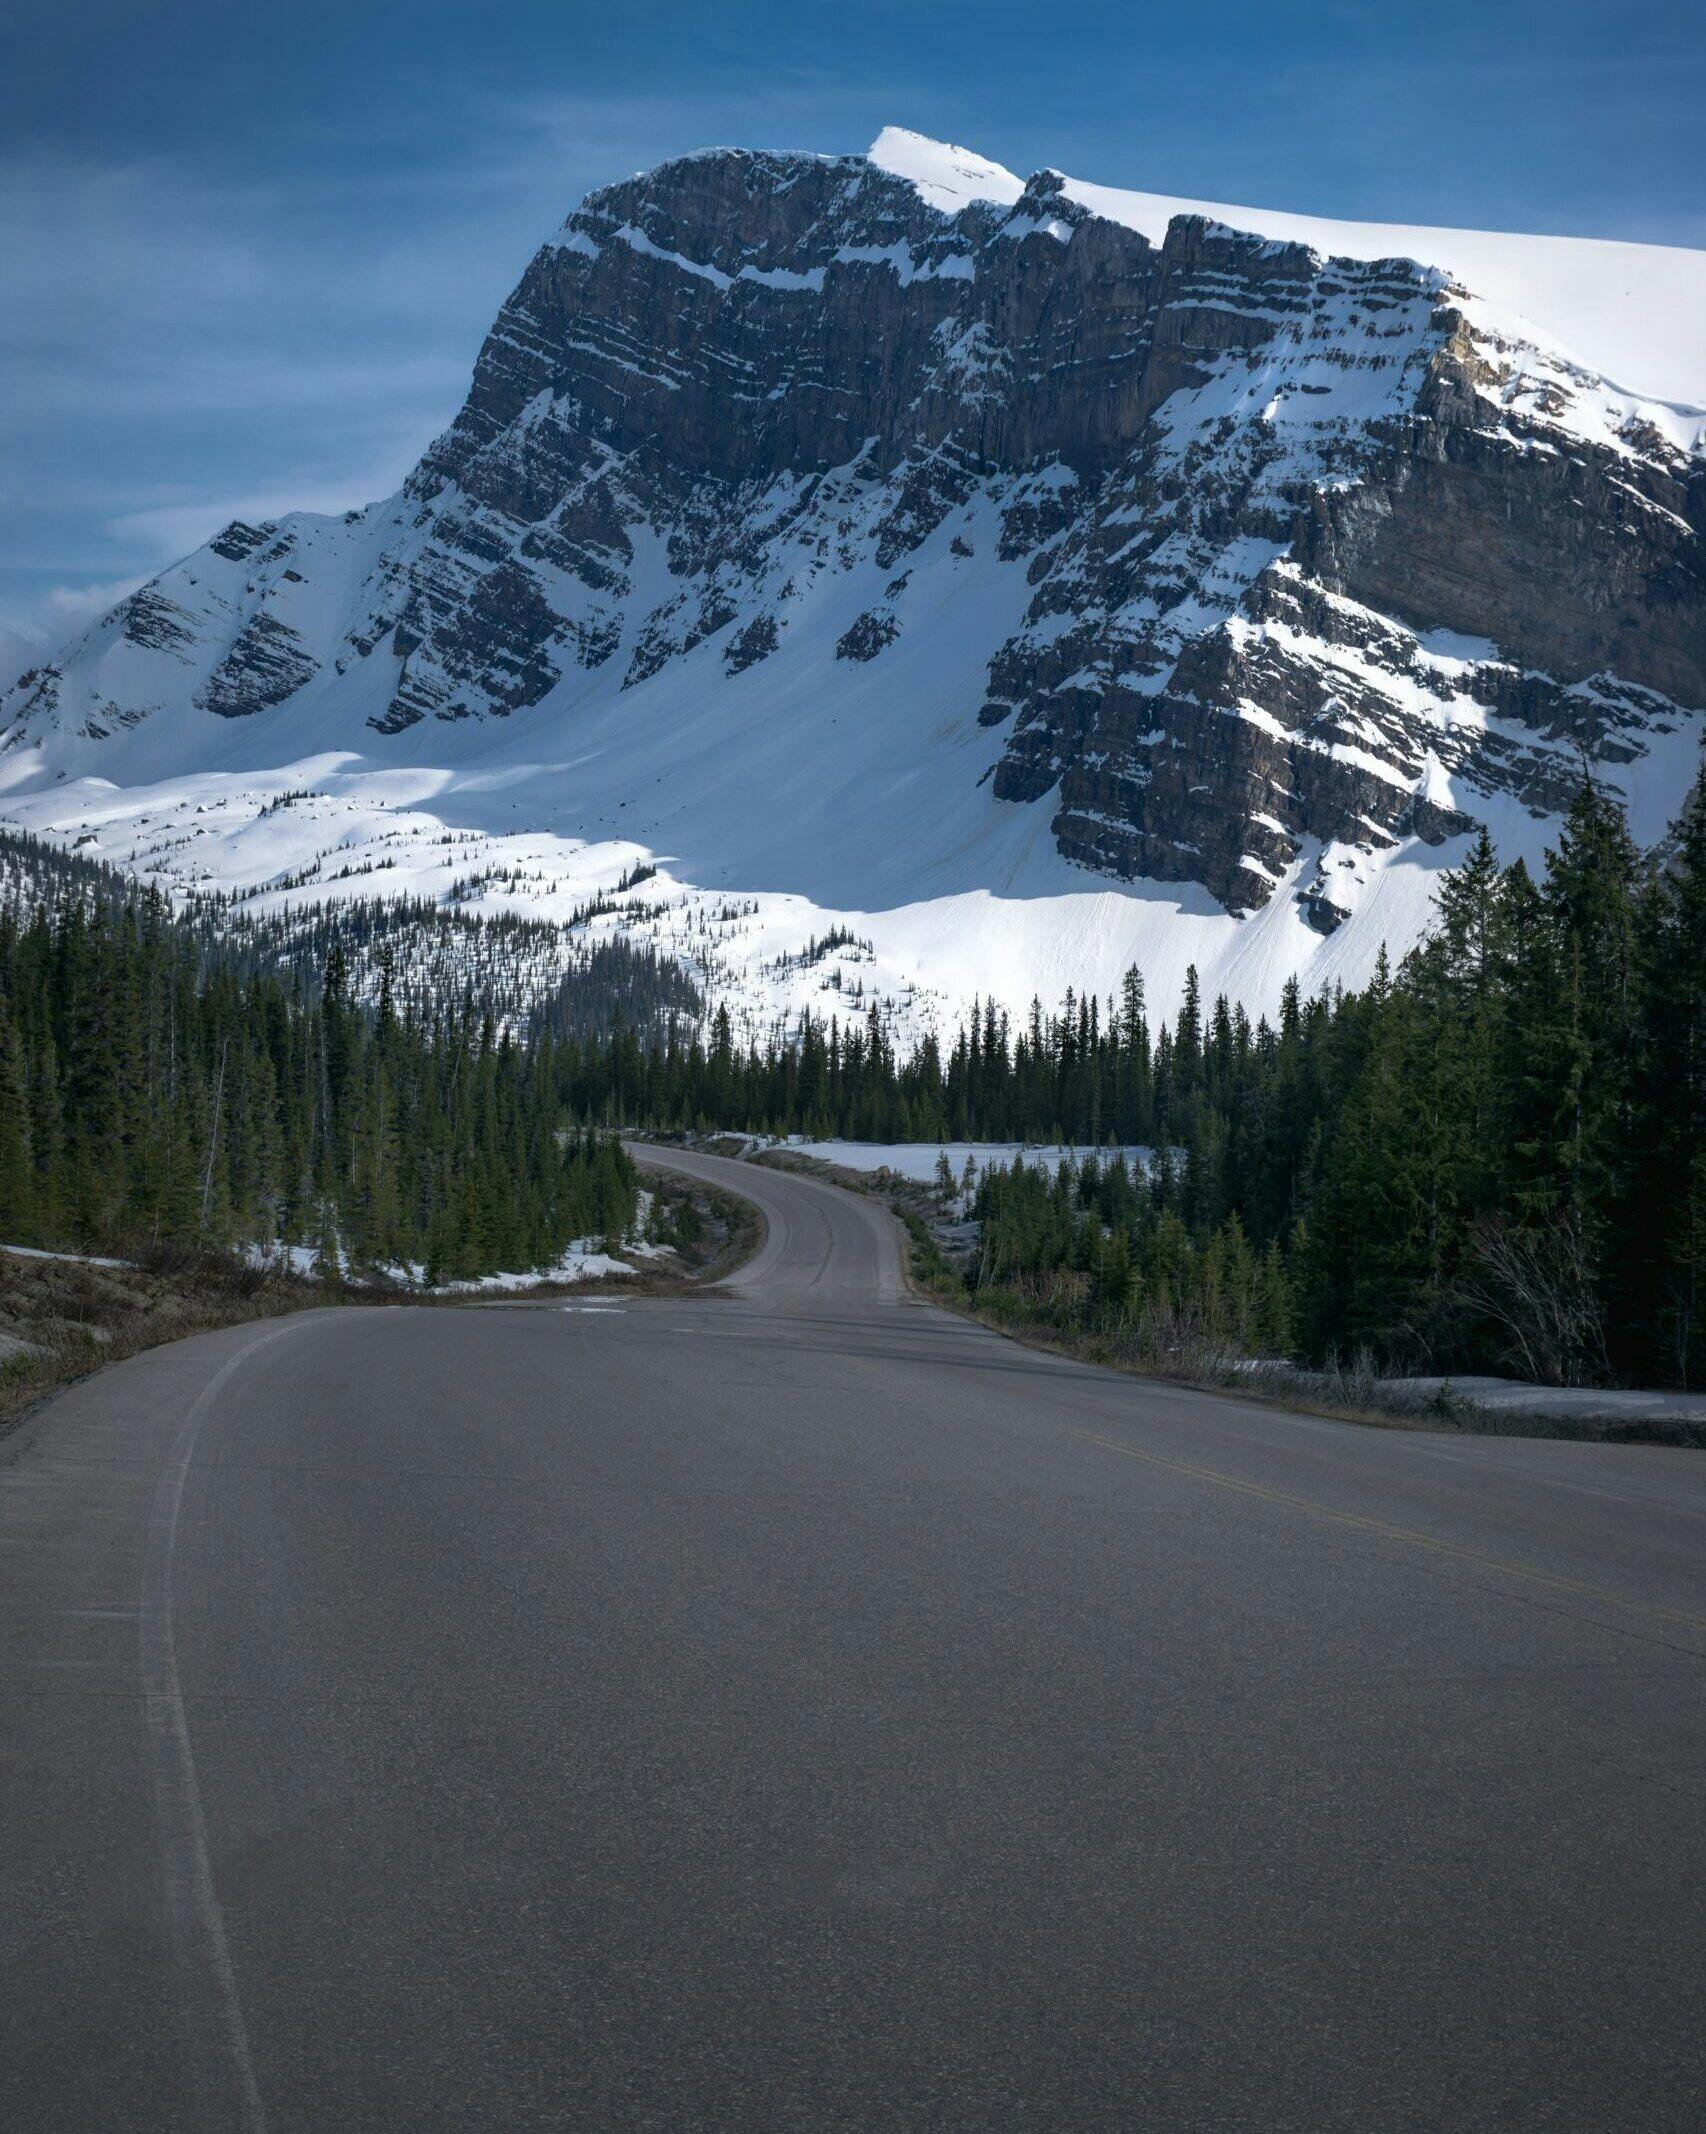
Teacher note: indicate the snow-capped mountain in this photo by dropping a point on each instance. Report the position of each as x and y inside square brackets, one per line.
[1003, 581]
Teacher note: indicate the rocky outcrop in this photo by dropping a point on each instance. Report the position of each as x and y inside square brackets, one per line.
[267, 662]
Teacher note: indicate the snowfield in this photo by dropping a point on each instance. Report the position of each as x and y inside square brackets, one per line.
[774, 817]
[918, 1159]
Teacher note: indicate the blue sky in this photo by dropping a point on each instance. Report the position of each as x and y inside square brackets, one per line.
[247, 254]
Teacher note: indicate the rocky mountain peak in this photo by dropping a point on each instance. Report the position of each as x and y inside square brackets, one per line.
[1259, 556]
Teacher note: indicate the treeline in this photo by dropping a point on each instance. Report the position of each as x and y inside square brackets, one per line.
[151, 1087]
[32, 870]
[1493, 1157]
[442, 959]
[1094, 1246]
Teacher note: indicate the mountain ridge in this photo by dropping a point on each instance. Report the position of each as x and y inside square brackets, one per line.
[1577, 291]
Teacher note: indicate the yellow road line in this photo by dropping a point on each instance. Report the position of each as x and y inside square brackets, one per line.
[1455, 1550]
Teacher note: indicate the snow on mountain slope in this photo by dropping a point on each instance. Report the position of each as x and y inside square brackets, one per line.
[951, 585]
[949, 178]
[1635, 313]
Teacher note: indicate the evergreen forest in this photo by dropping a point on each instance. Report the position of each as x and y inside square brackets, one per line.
[155, 1087]
[1491, 1157]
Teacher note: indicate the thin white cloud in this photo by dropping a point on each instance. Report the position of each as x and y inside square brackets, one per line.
[207, 383]
[35, 632]
[168, 531]
[71, 606]
[20, 650]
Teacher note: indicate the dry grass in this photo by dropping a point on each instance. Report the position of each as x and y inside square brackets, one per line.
[64, 1318]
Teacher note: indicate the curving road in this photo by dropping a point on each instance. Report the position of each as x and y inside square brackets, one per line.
[792, 1707]
[822, 1248]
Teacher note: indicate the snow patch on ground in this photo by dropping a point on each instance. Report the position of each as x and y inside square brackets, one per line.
[1518, 1395]
[302, 1260]
[584, 1261]
[1507, 1396]
[81, 1259]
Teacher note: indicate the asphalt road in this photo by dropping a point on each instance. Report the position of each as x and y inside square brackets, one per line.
[795, 1708]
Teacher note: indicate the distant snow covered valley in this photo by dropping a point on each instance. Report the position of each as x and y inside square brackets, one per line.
[886, 581]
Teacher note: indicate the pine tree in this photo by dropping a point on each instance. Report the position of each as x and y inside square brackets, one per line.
[1664, 1230]
[17, 1176]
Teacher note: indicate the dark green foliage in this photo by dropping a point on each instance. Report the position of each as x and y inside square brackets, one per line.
[151, 1087]
[1094, 1249]
[1491, 1158]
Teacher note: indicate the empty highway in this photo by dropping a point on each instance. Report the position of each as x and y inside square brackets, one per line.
[793, 1707]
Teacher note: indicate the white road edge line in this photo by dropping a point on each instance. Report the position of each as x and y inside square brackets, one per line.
[194, 1919]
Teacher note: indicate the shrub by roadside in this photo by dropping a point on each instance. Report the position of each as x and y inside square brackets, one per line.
[1047, 1309]
[62, 1317]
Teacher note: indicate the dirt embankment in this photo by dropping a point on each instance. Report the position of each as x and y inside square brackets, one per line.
[61, 1318]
